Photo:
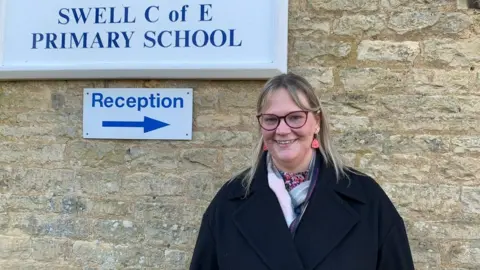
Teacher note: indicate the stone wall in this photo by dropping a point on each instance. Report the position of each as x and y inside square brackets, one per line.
[399, 77]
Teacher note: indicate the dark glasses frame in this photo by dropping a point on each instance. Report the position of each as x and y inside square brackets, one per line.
[280, 119]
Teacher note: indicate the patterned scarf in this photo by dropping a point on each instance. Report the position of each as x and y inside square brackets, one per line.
[292, 190]
[297, 185]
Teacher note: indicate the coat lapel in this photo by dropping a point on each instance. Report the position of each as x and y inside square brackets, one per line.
[260, 220]
[327, 220]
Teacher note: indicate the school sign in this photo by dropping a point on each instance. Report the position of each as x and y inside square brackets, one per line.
[215, 39]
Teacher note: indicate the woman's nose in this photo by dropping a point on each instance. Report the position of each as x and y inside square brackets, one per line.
[283, 128]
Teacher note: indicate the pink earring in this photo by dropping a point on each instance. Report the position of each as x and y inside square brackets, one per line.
[315, 143]
[265, 147]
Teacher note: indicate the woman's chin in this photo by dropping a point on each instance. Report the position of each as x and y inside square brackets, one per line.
[286, 155]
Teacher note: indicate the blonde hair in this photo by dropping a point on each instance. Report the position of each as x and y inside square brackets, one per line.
[296, 84]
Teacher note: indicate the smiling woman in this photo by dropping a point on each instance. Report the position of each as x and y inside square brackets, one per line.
[297, 206]
[289, 141]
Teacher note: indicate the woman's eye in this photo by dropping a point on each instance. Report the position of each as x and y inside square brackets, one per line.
[271, 119]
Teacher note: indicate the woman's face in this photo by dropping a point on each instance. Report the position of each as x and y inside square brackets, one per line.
[288, 145]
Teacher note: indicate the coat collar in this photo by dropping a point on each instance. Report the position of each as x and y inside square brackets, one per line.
[344, 187]
[327, 219]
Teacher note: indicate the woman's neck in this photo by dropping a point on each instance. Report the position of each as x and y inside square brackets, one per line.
[296, 166]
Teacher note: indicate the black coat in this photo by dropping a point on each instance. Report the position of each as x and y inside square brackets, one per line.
[345, 227]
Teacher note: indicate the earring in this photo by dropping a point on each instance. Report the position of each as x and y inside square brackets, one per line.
[265, 147]
[315, 143]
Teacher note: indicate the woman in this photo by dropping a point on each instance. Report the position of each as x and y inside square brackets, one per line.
[298, 206]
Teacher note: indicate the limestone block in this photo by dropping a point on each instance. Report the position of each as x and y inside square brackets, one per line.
[320, 78]
[215, 121]
[51, 249]
[353, 5]
[412, 5]
[359, 25]
[51, 225]
[463, 253]
[452, 23]
[443, 82]
[404, 22]
[15, 248]
[471, 199]
[311, 50]
[118, 231]
[373, 80]
[416, 201]
[454, 53]
[377, 50]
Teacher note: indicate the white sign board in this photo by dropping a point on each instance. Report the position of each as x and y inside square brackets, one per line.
[122, 113]
[214, 39]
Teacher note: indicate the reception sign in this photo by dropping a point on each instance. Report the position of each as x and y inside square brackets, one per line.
[137, 113]
[214, 39]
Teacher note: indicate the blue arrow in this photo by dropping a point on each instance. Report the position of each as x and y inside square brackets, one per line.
[148, 124]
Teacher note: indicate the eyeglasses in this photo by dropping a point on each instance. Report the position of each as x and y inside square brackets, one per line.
[296, 119]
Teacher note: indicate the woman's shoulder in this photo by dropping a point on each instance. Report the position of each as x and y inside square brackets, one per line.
[373, 192]
[364, 183]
